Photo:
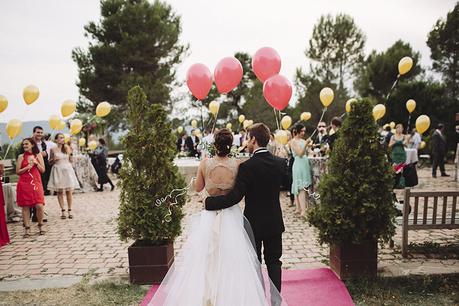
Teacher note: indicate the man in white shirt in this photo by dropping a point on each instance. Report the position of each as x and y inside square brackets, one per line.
[415, 139]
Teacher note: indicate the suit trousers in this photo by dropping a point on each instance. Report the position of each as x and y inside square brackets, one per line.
[272, 251]
[438, 161]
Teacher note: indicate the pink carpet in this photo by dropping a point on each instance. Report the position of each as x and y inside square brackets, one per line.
[318, 287]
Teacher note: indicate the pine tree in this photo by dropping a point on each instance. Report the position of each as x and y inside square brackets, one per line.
[148, 175]
[355, 195]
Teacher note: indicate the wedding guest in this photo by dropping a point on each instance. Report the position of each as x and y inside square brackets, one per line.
[271, 147]
[439, 149]
[101, 155]
[291, 160]
[415, 140]
[37, 136]
[181, 142]
[29, 190]
[301, 172]
[335, 126]
[322, 135]
[63, 178]
[397, 145]
[4, 237]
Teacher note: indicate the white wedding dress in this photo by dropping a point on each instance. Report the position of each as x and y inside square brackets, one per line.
[218, 265]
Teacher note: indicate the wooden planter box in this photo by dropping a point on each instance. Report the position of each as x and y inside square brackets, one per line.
[354, 260]
[148, 264]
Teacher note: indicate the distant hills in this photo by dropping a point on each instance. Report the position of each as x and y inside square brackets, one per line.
[27, 130]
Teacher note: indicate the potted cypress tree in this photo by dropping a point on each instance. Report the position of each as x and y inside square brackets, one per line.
[356, 208]
[149, 213]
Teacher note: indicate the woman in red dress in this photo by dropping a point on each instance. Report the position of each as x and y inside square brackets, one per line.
[4, 237]
[29, 192]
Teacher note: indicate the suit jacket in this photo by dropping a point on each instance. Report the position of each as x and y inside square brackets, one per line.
[438, 144]
[259, 179]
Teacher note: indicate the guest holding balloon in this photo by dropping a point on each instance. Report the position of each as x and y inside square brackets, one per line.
[397, 145]
[301, 171]
[29, 190]
[63, 178]
[101, 154]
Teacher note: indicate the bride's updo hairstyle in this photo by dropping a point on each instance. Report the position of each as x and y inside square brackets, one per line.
[223, 142]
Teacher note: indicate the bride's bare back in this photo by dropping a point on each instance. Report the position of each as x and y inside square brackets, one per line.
[217, 175]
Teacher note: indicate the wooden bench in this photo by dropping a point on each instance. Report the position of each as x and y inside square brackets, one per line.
[8, 165]
[435, 216]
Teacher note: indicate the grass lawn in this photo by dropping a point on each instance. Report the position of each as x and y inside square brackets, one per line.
[414, 290]
[422, 290]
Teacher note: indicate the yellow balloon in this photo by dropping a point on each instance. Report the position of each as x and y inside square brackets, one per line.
[92, 145]
[405, 65]
[246, 124]
[229, 125]
[13, 128]
[196, 132]
[250, 122]
[180, 129]
[392, 125]
[194, 123]
[305, 116]
[213, 107]
[82, 142]
[103, 109]
[422, 145]
[30, 94]
[281, 137]
[286, 122]
[61, 125]
[68, 107]
[348, 104]
[3, 103]
[54, 121]
[410, 105]
[75, 126]
[241, 118]
[326, 96]
[422, 123]
[378, 111]
[66, 138]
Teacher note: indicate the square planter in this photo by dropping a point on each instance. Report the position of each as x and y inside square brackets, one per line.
[148, 264]
[354, 260]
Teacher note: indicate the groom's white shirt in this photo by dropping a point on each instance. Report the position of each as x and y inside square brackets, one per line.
[260, 150]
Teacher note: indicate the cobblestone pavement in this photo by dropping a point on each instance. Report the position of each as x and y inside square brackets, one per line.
[89, 243]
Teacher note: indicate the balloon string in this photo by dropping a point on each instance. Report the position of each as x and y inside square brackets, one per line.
[216, 116]
[408, 125]
[391, 89]
[320, 120]
[32, 182]
[277, 120]
[9, 146]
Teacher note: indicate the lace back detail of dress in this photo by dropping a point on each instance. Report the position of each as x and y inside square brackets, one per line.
[212, 164]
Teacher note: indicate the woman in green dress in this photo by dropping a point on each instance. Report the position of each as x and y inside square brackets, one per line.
[301, 171]
[397, 144]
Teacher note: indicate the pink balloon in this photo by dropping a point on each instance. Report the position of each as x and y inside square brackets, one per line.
[199, 80]
[277, 90]
[228, 74]
[265, 63]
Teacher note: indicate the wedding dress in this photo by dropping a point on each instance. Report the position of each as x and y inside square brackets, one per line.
[218, 265]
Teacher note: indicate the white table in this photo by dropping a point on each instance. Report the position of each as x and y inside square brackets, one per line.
[411, 156]
[12, 211]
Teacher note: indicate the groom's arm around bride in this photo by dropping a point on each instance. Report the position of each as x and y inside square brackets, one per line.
[259, 180]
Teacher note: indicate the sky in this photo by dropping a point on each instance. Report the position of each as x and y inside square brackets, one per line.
[37, 37]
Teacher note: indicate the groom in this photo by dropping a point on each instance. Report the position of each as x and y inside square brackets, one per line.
[259, 180]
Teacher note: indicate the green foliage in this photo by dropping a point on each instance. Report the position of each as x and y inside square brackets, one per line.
[148, 174]
[337, 45]
[355, 196]
[443, 42]
[379, 71]
[135, 42]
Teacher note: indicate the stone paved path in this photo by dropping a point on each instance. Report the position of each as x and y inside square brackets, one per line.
[89, 243]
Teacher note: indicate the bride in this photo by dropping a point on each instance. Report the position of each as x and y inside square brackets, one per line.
[218, 265]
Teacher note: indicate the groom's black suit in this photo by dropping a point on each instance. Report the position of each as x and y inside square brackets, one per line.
[259, 180]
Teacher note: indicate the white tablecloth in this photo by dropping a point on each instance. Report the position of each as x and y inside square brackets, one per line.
[12, 211]
[85, 172]
[411, 156]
